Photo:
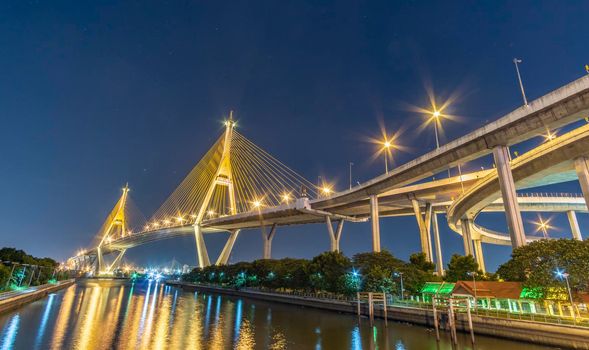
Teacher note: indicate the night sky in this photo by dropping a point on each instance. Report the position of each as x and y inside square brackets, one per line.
[97, 94]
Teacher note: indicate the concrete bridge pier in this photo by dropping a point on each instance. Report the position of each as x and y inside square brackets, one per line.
[201, 248]
[574, 225]
[375, 223]
[424, 224]
[507, 185]
[226, 252]
[99, 262]
[467, 236]
[478, 249]
[439, 260]
[334, 237]
[582, 168]
[267, 237]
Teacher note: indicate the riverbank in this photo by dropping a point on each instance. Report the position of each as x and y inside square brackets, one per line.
[562, 336]
[15, 299]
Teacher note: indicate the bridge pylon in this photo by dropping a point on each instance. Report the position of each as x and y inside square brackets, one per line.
[114, 227]
[223, 178]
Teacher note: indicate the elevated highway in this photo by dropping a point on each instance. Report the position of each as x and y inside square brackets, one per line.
[402, 191]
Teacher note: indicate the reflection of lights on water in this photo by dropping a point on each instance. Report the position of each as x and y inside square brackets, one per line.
[9, 335]
[399, 346]
[41, 330]
[237, 319]
[356, 339]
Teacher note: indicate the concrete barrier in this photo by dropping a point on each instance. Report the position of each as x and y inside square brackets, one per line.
[17, 300]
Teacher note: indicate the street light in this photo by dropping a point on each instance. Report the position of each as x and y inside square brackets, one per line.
[351, 164]
[400, 274]
[387, 145]
[543, 226]
[474, 282]
[519, 78]
[562, 274]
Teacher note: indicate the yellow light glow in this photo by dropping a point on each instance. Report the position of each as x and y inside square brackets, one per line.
[436, 114]
[167, 222]
[146, 227]
[179, 219]
[286, 197]
[387, 144]
[211, 213]
[326, 190]
[257, 204]
[193, 216]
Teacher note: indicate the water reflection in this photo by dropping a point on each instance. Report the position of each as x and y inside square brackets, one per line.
[149, 315]
[9, 334]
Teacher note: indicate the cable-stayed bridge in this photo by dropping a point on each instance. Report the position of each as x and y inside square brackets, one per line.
[237, 185]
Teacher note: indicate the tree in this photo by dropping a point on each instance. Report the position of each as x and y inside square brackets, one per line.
[4, 275]
[460, 267]
[376, 269]
[328, 270]
[536, 264]
[419, 261]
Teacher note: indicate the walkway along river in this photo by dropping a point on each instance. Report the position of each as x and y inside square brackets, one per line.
[149, 315]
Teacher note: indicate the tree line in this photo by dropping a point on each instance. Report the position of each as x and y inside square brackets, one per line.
[534, 264]
[19, 258]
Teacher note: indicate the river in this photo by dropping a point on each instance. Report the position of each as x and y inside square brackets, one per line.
[150, 315]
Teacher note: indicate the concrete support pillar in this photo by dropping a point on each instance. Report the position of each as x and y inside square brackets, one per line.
[226, 252]
[424, 225]
[99, 262]
[512, 212]
[375, 223]
[201, 248]
[439, 259]
[334, 237]
[574, 225]
[582, 168]
[467, 236]
[115, 264]
[478, 249]
[268, 242]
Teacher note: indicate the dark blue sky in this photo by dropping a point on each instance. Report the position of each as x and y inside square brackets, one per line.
[95, 94]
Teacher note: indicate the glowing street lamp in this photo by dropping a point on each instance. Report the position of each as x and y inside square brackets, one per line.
[543, 226]
[326, 190]
[387, 145]
[286, 197]
[549, 136]
[562, 274]
[400, 274]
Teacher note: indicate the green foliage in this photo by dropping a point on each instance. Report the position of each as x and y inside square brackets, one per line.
[377, 270]
[4, 275]
[419, 261]
[460, 268]
[330, 272]
[535, 264]
[45, 265]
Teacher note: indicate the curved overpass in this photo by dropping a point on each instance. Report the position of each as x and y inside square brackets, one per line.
[549, 163]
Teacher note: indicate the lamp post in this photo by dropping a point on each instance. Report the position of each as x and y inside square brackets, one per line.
[386, 146]
[562, 274]
[519, 78]
[436, 117]
[400, 274]
[351, 164]
[474, 282]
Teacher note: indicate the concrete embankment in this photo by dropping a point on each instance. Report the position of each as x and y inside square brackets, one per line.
[12, 300]
[562, 336]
